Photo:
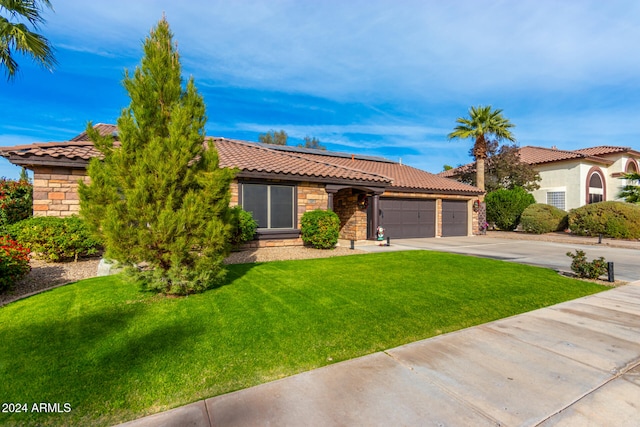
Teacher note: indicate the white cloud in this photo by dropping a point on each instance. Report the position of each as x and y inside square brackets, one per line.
[564, 72]
[375, 49]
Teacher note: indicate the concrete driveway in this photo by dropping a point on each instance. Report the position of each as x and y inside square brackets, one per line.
[539, 253]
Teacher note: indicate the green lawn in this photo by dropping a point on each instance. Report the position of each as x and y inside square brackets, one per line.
[114, 353]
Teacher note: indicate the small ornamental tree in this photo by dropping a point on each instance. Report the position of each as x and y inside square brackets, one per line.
[631, 190]
[157, 196]
[504, 207]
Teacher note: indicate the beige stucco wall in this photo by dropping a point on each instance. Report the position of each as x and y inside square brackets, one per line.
[571, 177]
[567, 177]
[615, 184]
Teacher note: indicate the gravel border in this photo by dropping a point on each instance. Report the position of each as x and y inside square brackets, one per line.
[44, 276]
[285, 253]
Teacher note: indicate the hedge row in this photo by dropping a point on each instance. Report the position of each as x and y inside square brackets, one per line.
[540, 218]
[618, 220]
[55, 239]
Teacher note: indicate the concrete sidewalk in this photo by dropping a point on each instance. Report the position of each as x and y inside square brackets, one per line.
[572, 364]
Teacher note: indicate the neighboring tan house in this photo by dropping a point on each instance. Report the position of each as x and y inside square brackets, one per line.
[278, 184]
[570, 179]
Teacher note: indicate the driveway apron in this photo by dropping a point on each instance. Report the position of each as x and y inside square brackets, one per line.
[539, 253]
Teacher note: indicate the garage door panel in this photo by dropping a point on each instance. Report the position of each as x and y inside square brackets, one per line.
[454, 218]
[407, 218]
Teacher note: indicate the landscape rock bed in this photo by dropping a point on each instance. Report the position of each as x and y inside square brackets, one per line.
[45, 276]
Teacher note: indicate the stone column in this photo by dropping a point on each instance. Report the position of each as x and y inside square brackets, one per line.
[375, 212]
[330, 193]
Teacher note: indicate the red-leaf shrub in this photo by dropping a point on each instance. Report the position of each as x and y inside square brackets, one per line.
[14, 262]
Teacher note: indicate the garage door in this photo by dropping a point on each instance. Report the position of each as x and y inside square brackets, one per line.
[407, 218]
[454, 218]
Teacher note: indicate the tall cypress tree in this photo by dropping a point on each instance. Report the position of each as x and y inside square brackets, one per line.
[157, 196]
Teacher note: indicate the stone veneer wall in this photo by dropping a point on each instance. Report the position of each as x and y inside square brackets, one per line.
[55, 191]
[353, 221]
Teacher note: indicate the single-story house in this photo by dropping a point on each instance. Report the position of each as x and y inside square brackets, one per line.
[278, 184]
[573, 178]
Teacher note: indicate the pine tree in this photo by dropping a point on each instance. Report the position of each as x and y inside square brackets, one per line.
[157, 196]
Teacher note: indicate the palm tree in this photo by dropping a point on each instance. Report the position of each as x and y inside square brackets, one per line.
[631, 192]
[483, 124]
[16, 37]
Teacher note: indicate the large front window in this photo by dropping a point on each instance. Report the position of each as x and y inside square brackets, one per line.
[272, 206]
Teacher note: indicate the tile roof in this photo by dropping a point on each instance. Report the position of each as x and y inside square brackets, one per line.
[104, 129]
[251, 157]
[537, 155]
[45, 151]
[403, 176]
[261, 160]
[541, 155]
[602, 150]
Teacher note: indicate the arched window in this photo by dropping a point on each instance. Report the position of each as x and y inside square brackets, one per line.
[632, 166]
[595, 190]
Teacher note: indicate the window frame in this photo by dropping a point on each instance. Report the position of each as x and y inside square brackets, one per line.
[595, 194]
[550, 195]
[269, 230]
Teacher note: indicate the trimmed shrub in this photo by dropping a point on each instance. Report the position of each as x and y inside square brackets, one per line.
[244, 226]
[504, 207]
[14, 262]
[16, 201]
[56, 239]
[320, 229]
[541, 218]
[585, 269]
[618, 220]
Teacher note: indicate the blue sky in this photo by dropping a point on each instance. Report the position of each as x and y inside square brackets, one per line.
[385, 78]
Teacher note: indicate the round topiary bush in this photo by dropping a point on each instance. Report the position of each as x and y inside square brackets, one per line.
[541, 218]
[320, 229]
[504, 207]
[244, 226]
[618, 220]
